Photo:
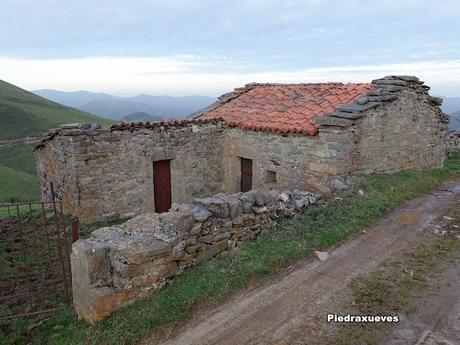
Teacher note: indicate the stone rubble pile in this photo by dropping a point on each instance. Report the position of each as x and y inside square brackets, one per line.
[122, 262]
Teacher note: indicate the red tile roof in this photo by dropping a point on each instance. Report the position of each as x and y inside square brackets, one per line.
[283, 107]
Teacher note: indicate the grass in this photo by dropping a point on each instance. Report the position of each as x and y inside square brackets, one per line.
[316, 227]
[23, 210]
[17, 174]
[395, 286]
[18, 157]
[17, 185]
[24, 114]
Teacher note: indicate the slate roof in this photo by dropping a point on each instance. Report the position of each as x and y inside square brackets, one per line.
[282, 108]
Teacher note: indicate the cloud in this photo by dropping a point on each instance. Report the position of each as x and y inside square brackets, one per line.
[189, 74]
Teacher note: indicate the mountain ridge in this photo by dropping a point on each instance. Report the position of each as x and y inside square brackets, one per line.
[24, 114]
[116, 107]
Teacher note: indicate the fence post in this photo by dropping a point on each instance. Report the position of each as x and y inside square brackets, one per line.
[74, 228]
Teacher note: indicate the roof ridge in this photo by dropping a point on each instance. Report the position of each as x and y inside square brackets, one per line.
[300, 84]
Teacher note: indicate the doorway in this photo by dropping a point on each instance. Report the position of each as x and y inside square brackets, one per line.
[162, 185]
[246, 174]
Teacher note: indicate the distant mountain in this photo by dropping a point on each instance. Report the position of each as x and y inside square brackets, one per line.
[75, 99]
[450, 104]
[114, 107]
[455, 121]
[24, 114]
[141, 117]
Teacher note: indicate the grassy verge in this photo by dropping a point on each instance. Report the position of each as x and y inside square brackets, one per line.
[394, 288]
[317, 227]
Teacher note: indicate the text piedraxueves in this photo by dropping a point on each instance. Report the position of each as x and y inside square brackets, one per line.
[362, 318]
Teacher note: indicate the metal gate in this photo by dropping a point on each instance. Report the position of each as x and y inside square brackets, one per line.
[34, 259]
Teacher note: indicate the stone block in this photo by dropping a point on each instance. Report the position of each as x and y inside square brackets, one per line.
[101, 302]
[140, 251]
[235, 207]
[212, 251]
[217, 206]
[260, 209]
[284, 197]
[183, 221]
[199, 214]
[337, 185]
[333, 121]
[92, 262]
[193, 248]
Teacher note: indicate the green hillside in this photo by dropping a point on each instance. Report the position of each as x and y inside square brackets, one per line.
[24, 114]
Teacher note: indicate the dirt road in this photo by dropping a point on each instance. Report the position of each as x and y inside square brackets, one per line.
[437, 319]
[293, 310]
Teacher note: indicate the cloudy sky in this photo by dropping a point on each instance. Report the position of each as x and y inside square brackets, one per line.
[208, 47]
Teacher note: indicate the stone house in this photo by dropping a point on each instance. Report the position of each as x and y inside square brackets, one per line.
[282, 136]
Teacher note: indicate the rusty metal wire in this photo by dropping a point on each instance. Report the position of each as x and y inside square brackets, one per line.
[34, 259]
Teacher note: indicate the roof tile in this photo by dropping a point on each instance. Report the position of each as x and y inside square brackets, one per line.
[285, 107]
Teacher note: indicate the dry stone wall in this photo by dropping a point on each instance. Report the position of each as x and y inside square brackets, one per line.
[120, 263]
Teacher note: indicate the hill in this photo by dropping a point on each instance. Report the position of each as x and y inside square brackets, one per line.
[24, 114]
[141, 116]
[114, 107]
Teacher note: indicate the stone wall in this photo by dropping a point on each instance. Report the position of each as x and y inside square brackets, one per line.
[54, 165]
[279, 161]
[402, 135]
[396, 126]
[102, 173]
[120, 263]
[453, 142]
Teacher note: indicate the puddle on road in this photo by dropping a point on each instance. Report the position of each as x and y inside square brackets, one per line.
[408, 218]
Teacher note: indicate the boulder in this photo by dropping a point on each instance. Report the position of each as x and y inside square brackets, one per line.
[337, 185]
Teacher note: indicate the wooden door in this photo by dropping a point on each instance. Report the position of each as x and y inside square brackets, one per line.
[162, 185]
[246, 174]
